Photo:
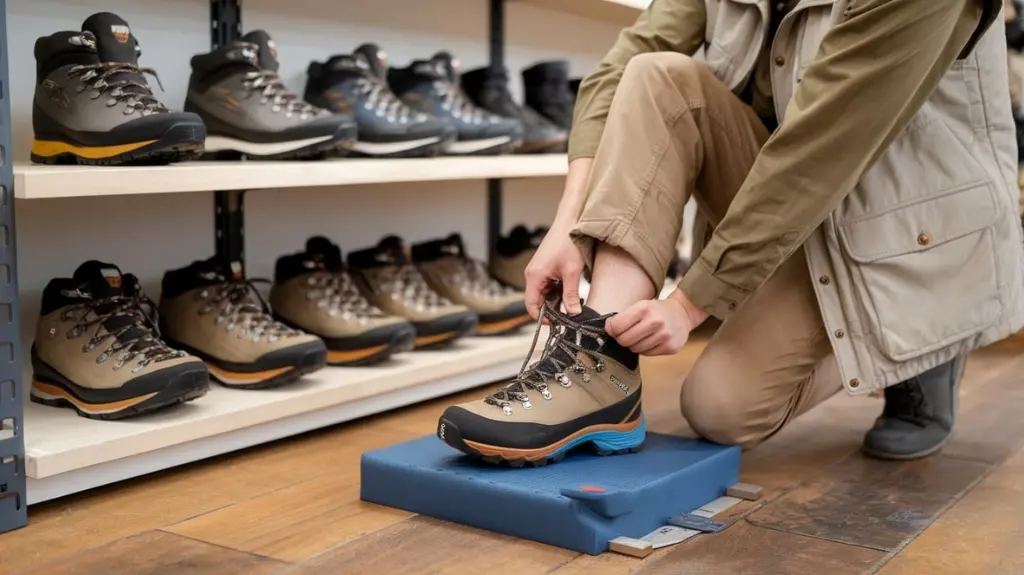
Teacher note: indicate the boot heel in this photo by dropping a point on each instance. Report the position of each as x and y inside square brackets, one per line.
[616, 442]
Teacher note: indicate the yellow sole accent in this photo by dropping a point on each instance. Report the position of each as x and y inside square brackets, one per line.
[353, 355]
[48, 149]
[54, 391]
[245, 377]
[502, 326]
[432, 339]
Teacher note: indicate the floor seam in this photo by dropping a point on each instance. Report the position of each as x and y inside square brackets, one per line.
[225, 547]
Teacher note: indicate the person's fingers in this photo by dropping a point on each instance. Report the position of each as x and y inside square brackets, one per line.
[621, 322]
[571, 289]
[647, 326]
[652, 344]
[536, 285]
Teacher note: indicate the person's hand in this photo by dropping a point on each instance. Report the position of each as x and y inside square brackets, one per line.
[557, 260]
[656, 327]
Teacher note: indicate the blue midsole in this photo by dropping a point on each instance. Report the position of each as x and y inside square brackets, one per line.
[609, 440]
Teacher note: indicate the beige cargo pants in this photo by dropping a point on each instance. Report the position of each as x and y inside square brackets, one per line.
[675, 131]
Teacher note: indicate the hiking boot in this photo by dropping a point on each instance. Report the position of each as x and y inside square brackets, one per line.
[357, 85]
[585, 389]
[221, 317]
[249, 112]
[919, 414]
[97, 349]
[313, 292]
[92, 103]
[432, 87]
[546, 85]
[511, 255]
[463, 280]
[390, 282]
[488, 88]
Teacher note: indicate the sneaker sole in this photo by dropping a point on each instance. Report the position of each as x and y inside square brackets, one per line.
[607, 439]
[184, 388]
[180, 143]
[504, 326]
[484, 147]
[228, 148]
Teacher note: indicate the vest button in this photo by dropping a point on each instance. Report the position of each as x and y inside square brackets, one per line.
[779, 60]
[823, 280]
[923, 239]
[840, 333]
[854, 382]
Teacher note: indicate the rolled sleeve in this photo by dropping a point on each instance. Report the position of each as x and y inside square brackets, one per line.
[836, 126]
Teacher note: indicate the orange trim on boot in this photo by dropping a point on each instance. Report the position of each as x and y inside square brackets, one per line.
[230, 377]
[503, 325]
[354, 355]
[438, 338]
[108, 407]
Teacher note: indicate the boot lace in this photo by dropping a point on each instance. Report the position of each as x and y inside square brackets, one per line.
[382, 101]
[137, 96]
[273, 91]
[474, 278]
[132, 331]
[241, 309]
[558, 356]
[337, 293]
[455, 101]
[407, 284]
[906, 401]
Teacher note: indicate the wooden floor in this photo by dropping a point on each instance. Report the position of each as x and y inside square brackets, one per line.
[293, 507]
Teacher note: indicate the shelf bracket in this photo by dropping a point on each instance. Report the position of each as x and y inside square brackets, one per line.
[228, 205]
[13, 502]
[494, 186]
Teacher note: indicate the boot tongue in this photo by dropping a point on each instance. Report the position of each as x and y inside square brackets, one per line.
[447, 64]
[436, 249]
[375, 57]
[347, 63]
[100, 279]
[391, 250]
[323, 254]
[267, 49]
[114, 39]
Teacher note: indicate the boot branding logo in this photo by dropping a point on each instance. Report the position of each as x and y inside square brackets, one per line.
[619, 383]
[440, 432]
[121, 33]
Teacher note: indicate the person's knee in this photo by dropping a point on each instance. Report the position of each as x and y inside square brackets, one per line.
[713, 405]
[663, 68]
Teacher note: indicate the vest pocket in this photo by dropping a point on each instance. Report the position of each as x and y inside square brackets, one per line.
[925, 273]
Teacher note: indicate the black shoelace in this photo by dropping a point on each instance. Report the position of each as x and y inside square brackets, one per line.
[558, 357]
[240, 307]
[273, 91]
[137, 96]
[129, 327]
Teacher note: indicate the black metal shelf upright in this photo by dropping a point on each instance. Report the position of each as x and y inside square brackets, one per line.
[497, 56]
[13, 503]
[228, 205]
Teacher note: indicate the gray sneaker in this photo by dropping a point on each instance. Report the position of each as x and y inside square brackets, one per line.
[92, 103]
[919, 414]
[249, 112]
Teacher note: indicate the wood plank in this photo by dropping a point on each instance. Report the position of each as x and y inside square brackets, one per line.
[296, 522]
[745, 548]
[156, 552]
[982, 533]
[76, 523]
[422, 545]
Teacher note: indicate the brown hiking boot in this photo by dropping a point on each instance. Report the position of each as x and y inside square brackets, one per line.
[390, 282]
[447, 268]
[584, 390]
[511, 255]
[313, 292]
[222, 319]
[98, 351]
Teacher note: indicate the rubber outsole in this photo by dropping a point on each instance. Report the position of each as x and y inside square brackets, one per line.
[428, 151]
[601, 443]
[466, 328]
[403, 342]
[503, 327]
[180, 390]
[338, 146]
[182, 142]
[310, 363]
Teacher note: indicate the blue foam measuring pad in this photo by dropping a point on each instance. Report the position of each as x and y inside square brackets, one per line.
[579, 503]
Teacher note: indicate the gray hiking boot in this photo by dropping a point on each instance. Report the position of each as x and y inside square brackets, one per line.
[92, 103]
[919, 414]
[249, 112]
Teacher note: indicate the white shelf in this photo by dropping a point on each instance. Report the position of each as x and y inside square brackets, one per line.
[39, 182]
[66, 453]
[619, 12]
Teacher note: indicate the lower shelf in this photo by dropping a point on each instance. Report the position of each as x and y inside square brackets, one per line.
[67, 454]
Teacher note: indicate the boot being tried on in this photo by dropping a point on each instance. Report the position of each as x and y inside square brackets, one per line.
[463, 280]
[221, 317]
[93, 105]
[919, 414]
[584, 390]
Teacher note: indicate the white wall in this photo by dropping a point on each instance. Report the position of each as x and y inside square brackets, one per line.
[149, 234]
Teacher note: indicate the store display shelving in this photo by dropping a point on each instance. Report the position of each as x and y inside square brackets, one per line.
[47, 453]
[620, 12]
[44, 182]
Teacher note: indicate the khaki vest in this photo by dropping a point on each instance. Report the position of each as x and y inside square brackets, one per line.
[923, 260]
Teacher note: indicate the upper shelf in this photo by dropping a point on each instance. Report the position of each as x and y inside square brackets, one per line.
[620, 12]
[37, 182]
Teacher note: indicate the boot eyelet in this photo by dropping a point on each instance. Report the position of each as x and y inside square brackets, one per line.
[546, 393]
[88, 347]
[599, 366]
[586, 378]
[102, 357]
[506, 409]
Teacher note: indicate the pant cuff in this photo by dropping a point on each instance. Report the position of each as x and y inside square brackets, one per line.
[588, 234]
